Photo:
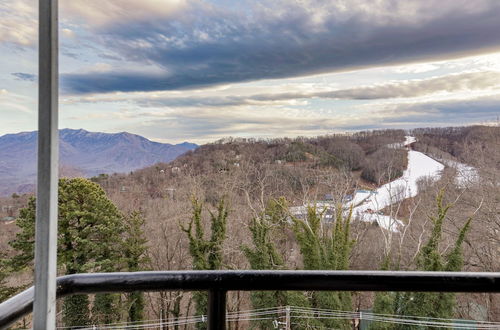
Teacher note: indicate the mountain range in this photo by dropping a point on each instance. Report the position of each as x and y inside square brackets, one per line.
[82, 153]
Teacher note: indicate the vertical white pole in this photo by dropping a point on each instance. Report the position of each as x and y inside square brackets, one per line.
[288, 320]
[48, 159]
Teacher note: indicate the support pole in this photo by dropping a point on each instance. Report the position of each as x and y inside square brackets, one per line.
[288, 320]
[216, 309]
[48, 159]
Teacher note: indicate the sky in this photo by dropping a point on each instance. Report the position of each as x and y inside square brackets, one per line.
[199, 71]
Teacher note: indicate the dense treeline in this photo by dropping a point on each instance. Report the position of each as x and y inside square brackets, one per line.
[466, 144]
[367, 152]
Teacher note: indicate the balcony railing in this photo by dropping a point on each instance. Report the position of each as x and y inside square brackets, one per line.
[218, 283]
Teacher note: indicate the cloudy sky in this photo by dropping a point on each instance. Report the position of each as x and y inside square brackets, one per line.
[194, 70]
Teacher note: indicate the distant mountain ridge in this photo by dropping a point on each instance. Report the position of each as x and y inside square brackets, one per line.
[81, 153]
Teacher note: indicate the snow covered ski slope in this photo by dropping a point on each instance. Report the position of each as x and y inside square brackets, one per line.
[368, 203]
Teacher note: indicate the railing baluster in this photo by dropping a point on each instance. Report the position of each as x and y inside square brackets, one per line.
[217, 309]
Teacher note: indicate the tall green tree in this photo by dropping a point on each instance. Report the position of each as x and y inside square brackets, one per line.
[435, 304]
[5, 291]
[428, 304]
[326, 246]
[263, 254]
[206, 252]
[385, 302]
[90, 229]
[135, 247]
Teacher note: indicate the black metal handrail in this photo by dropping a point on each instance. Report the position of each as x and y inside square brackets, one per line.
[217, 283]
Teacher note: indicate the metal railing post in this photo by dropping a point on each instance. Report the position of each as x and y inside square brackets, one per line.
[287, 318]
[217, 309]
[48, 159]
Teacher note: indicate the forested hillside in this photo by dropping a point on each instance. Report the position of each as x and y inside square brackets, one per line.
[240, 193]
[366, 152]
[474, 145]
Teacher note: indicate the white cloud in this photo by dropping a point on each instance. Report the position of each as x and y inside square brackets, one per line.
[104, 12]
[298, 94]
[15, 103]
[18, 23]
[68, 33]
[19, 18]
[416, 68]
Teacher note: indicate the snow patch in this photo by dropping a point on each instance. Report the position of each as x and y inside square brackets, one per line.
[409, 140]
[465, 174]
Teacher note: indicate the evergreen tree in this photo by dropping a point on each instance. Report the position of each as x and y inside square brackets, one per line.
[89, 239]
[135, 254]
[25, 239]
[427, 304]
[264, 255]
[206, 253]
[436, 304]
[326, 247]
[106, 308]
[384, 302]
[5, 291]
